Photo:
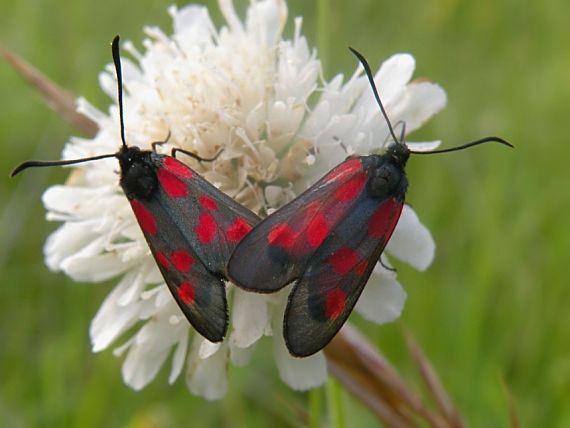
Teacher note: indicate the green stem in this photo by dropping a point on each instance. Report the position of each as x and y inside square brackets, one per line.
[323, 31]
[334, 404]
[315, 406]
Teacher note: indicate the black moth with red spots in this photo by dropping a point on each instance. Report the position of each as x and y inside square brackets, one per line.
[328, 240]
[191, 227]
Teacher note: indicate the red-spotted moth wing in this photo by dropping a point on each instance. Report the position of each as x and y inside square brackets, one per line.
[328, 240]
[282, 245]
[191, 228]
[331, 284]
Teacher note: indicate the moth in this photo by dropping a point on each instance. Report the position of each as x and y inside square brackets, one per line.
[328, 240]
[190, 226]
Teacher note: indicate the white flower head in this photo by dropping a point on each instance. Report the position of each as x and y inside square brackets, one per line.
[243, 88]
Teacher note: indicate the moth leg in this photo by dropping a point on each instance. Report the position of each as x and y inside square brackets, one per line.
[160, 143]
[390, 268]
[341, 144]
[402, 134]
[194, 155]
[347, 149]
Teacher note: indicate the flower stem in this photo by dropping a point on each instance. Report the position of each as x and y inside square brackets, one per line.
[334, 404]
[315, 407]
[323, 32]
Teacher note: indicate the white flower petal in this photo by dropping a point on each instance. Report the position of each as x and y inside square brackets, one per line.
[113, 318]
[207, 377]
[154, 276]
[76, 200]
[265, 19]
[207, 349]
[192, 26]
[150, 349]
[178, 359]
[424, 146]
[231, 17]
[299, 373]
[394, 74]
[411, 241]
[69, 238]
[91, 264]
[383, 298]
[240, 357]
[140, 368]
[422, 101]
[391, 80]
[250, 318]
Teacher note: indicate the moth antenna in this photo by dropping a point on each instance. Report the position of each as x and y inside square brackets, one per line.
[36, 163]
[368, 72]
[118, 71]
[465, 146]
[393, 134]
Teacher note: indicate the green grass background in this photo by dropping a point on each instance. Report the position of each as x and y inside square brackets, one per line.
[495, 304]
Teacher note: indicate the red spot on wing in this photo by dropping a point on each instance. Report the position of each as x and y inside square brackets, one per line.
[351, 189]
[335, 302]
[171, 184]
[317, 230]
[343, 260]
[177, 167]
[182, 260]
[361, 267]
[238, 229]
[347, 167]
[162, 260]
[186, 293]
[282, 235]
[382, 222]
[208, 202]
[206, 228]
[144, 217]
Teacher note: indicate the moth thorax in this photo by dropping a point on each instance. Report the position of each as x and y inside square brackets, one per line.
[386, 179]
[138, 176]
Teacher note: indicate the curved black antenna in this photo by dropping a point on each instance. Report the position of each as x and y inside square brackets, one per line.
[371, 80]
[117, 61]
[393, 134]
[36, 163]
[465, 146]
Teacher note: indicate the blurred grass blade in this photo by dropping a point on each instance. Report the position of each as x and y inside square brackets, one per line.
[369, 376]
[323, 32]
[335, 405]
[60, 100]
[436, 389]
[287, 411]
[513, 414]
[315, 407]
